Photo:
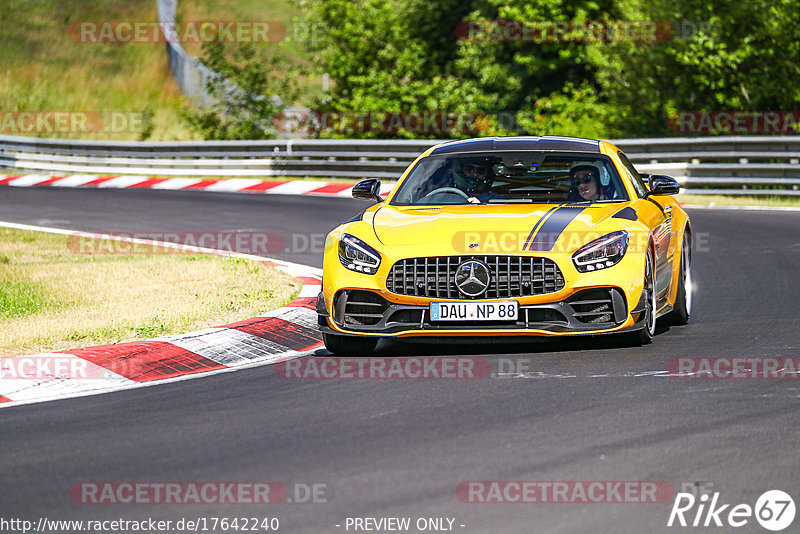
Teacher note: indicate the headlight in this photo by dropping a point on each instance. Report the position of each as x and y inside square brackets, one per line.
[357, 255]
[601, 253]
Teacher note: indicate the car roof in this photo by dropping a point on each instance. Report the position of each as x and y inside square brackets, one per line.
[490, 144]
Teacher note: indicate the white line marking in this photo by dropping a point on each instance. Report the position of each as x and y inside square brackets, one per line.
[294, 269]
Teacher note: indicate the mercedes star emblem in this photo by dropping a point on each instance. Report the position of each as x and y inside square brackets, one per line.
[473, 277]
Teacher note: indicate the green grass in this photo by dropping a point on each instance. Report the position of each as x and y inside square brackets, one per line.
[21, 298]
[53, 298]
[43, 68]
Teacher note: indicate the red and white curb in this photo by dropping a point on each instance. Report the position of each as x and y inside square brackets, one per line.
[278, 335]
[230, 185]
[234, 185]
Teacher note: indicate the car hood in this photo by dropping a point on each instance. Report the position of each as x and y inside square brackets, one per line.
[493, 228]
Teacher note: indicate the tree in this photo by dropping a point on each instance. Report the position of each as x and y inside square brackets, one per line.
[250, 89]
[735, 56]
[396, 55]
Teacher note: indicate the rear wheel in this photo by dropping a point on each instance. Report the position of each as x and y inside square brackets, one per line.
[683, 301]
[646, 334]
[348, 345]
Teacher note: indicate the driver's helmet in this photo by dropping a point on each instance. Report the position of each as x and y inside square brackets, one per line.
[474, 175]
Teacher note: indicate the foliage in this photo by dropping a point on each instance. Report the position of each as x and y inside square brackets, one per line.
[414, 55]
[724, 55]
[571, 111]
[250, 89]
[389, 57]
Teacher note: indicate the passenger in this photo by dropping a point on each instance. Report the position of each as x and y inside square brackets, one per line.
[585, 182]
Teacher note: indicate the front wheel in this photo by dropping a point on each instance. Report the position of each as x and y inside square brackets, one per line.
[646, 334]
[348, 345]
[683, 301]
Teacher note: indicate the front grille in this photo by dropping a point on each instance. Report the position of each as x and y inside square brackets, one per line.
[512, 277]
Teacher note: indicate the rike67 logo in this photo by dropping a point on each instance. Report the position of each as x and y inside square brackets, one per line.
[774, 510]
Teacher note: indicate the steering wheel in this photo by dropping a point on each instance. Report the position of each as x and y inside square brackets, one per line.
[453, 190]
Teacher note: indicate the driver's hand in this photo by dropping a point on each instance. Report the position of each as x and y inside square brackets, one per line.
[473, 200]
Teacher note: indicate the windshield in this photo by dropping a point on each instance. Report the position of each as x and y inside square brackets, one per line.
[511, 177]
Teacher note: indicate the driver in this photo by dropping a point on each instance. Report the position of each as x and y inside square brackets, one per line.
[475, 178]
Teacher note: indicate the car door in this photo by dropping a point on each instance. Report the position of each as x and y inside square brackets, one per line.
[657, 214]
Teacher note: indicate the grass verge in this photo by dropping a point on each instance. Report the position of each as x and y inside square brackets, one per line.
[44, 67]
[54, 299]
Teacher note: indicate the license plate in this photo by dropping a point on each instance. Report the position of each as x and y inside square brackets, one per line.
[499, 310]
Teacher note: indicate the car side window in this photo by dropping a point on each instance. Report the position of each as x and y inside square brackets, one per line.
[636, 180]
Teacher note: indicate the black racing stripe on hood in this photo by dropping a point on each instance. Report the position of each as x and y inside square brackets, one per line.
[552, 228]
[536, 226]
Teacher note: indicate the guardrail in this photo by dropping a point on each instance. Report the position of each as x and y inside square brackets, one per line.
[190, 73]
[757, 165]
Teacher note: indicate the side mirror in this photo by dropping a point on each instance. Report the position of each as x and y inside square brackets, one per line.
[663, 185]
[368, 189]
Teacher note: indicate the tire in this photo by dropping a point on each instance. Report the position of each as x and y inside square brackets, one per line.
[646, 334]
[683, 301]
[349, 346]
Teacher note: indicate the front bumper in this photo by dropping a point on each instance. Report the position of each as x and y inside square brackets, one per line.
[587, 311]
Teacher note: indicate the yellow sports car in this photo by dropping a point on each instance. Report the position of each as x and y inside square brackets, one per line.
[509, 236]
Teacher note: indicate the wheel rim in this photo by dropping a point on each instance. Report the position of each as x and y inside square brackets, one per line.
[650, 286]
[687, 281]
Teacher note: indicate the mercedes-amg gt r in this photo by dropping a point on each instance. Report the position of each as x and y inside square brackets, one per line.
[509, 236]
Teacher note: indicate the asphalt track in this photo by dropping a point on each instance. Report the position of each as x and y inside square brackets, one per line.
[586, 410]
